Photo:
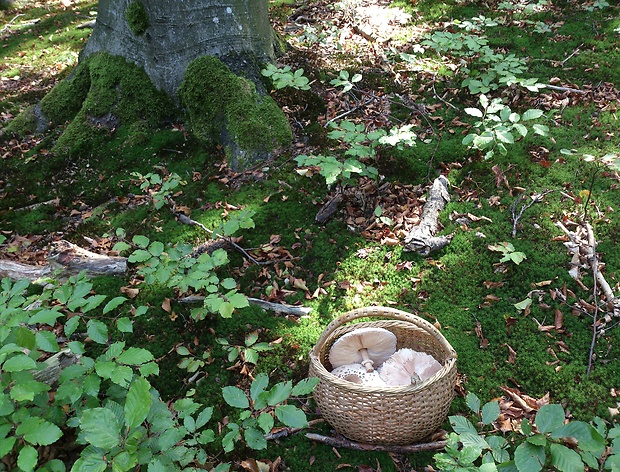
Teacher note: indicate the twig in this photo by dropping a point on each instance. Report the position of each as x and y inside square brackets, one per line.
[407, 449]
[571, 55]
[6, 27]
[348, 112]
[594, 264]
[188, 221]
[288, 431]
[441, 98]
[563, 89]
[517, 216]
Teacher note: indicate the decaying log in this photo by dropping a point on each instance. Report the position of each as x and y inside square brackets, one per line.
[73, 259]
[421, 238]
[406, 449]
[329, 208]
[69, 259]
[17, 270]
[264, 304]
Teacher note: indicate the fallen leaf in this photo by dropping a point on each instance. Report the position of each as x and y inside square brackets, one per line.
[512, 354]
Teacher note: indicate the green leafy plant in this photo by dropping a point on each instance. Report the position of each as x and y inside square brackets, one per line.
[260, 407]
[378, 212]
[361, 146]
[345, 81]
[282, 77]
[178, 266]
[248, 352]
[509, 252]
[498, 126]
[158, 187]
[549, 441]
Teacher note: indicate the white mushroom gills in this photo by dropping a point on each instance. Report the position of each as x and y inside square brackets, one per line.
[357, 374]
[408, 367]
[366, 346]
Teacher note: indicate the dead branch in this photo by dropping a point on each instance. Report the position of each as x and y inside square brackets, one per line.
[293, 310]
[516, 215]
[341, 441]
[421, 238]
[329, 208]
[69, 259]
[284, 432]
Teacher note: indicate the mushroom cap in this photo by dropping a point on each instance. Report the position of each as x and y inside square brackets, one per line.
[379, 345]
[407, 367]
[357, 373]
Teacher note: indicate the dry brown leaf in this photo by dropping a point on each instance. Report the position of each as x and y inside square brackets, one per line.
[512, 354]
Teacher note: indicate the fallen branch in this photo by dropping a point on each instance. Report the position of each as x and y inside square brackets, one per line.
[329, 208]
[284, 432]
[264, 304]
[407, 449]
[563, 89]
[516, 215]
[69, 259]
[421, 238]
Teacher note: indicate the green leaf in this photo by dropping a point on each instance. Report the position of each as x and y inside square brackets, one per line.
[46, 340]
[461, 425]
[124, 325]
[114, 303]
[6, 445]
[529, 458]
[27, 458]
[135, 356]
[36, 430]
[531, 114]
[18, 363]
[250, 355]
[235, 397]
[542, 130]
[71, 325]
[97, 331]
[228, 283]
[474, 112]
[279, 392]
[255, 438]
[505, 136]
[226, 309]
[305, 387]
[259, 384]
[291, 416]
[537, 440]
[549, 417]
[565, 459]
[588, 438]
[265, 421]
[141, 241]
[523, 304]
[100, 427]
[139, 255]
[48, 317]
[469, 439]
[228, 442]
[490, 412]
[204, 417]
[138, 403]
[473, 402]
[156, 248]
[121, 246]
[239, 300]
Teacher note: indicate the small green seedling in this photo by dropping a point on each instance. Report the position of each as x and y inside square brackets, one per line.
[509, 253]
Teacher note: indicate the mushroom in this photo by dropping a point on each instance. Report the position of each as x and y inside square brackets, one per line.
[358, 374]
[408, 367]
[366, 346]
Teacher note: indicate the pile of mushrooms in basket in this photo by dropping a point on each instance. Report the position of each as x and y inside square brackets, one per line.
[368, 356]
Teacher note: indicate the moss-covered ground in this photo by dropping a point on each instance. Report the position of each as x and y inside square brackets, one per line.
[463, 288]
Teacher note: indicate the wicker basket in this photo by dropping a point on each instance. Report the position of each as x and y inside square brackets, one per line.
[385, 415]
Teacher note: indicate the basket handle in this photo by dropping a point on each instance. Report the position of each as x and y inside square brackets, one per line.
[384, 312]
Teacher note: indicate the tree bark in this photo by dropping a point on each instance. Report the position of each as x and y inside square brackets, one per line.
[180, 31]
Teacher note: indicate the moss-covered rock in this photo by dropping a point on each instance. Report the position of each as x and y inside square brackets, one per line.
[223, 107]
[104, 93]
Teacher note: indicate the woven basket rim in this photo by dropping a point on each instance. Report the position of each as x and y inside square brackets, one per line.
[389, 313]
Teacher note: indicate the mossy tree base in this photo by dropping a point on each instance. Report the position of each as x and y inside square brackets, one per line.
[223, 107]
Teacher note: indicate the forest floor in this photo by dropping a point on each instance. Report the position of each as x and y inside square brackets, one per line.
[528, 327]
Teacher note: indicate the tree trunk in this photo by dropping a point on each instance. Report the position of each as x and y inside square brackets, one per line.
[164, 37]
[204, 56]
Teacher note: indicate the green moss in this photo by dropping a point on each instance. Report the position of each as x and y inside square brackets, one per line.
[23, 124]
[137, 17]
[222, 107]
[104, 93]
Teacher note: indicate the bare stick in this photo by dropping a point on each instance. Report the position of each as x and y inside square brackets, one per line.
[563, 89]
[288, 431]
[344, 442]
[571, 55]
